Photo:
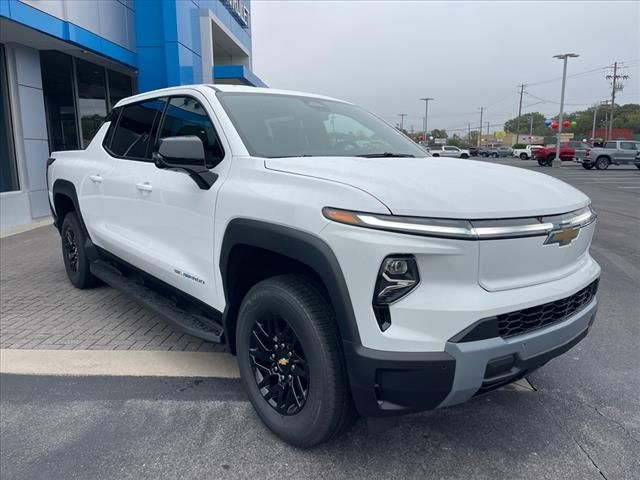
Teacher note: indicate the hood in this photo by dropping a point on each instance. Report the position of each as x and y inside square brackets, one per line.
[442, 187]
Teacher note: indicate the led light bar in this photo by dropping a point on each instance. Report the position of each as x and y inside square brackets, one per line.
[464, 229]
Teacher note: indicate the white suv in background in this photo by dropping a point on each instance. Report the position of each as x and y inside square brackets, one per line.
[347, 270]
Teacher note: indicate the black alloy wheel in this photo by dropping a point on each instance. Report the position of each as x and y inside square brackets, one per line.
[279, 365]
[70, 247]
[74, 254]
[291, 362]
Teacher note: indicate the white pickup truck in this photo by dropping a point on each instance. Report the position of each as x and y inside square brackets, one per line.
[347, 270]
[526, 153]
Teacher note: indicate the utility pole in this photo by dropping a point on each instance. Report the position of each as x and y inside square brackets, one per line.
[593, 129]
[530, 128]
[565, 56]
[487, 128]
[480, 130]
[615, 85]
[519, 113]
[469, 134]
[402, 115]
[426, 114]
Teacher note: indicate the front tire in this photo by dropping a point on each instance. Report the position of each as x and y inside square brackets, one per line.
[494, 155]
[587, 166]
[524, 156]
[464, 155]
[291, 362]
[76, 260]
[602, 163]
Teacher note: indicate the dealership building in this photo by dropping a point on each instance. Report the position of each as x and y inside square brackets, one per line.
[65, 63]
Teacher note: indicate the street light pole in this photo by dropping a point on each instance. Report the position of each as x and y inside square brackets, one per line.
[565, 56]
[426, 114]
[480, 129]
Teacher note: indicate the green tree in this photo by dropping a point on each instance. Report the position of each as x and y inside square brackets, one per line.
[539, 128]
[438, 133]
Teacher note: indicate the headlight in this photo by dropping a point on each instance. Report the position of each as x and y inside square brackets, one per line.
[433, 227]
[397, 277]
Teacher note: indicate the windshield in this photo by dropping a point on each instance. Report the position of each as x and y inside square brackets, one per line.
[272, 126]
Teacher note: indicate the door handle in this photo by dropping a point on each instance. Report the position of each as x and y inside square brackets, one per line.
[144, 187]
[95, 178]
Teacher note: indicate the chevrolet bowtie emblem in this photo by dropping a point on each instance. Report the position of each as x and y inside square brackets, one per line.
[283, 362]
[562, 237]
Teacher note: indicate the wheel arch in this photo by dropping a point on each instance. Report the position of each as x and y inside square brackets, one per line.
[65, 200]
[253, 250]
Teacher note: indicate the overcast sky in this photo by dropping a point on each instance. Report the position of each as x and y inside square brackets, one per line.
[385, 55]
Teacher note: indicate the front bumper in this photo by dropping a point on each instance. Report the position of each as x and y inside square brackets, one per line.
[394, 383]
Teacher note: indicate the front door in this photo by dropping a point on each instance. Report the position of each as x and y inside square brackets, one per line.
[177, 216]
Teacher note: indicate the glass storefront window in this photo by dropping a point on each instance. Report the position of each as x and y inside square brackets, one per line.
[119, 86]
[92, 98]
[57, 86]
[8, 173]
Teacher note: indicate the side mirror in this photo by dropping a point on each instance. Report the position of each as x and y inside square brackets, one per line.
[185, 153]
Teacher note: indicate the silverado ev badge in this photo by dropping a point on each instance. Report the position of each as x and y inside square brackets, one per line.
[562, 237]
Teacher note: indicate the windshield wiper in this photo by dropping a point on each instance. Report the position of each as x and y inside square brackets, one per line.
[385, 155]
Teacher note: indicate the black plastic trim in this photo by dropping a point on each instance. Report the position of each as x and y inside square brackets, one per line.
[396, 383]
[159, 285]
[300, 246]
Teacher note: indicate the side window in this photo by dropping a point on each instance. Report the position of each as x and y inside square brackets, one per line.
[610, 145]
[186, 116]
[133, 132]
[627, 145]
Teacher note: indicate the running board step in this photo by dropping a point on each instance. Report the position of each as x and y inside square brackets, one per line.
[196, 325]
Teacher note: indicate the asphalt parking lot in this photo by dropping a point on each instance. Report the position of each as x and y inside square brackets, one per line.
[581, 419]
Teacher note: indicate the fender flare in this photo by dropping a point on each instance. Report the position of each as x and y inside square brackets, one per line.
[302, 247]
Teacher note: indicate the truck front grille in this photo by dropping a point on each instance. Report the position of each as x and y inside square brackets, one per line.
[529, 319]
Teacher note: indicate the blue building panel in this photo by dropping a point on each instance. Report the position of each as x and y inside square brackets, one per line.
[37, 19]
[239, 73]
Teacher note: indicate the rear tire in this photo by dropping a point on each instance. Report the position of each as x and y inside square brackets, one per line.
[494, 155]
[313, 403]
[542, 162]
[464, 155]
[602, 163]
[74, 254]
[638, 167]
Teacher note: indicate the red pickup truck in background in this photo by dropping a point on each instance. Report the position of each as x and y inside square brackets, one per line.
[568, 151]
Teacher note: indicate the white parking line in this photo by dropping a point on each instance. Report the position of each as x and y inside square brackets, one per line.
[629, 187]
[118, 363]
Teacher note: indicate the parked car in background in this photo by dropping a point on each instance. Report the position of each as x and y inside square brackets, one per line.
[485, 150]
[449, 151]
[637, 160]
[568, 151]
[618, 152]
[501, 151]
[527, 152]
[474, 151]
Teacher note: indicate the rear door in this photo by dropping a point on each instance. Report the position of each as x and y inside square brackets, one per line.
[626, 154]
[125, 152]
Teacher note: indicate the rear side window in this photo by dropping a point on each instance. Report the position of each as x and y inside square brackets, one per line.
[610, 145]
[627, 145]
[133, 133]
[186, 116]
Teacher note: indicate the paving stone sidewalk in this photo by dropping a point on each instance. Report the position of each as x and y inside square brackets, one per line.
[40, 309]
